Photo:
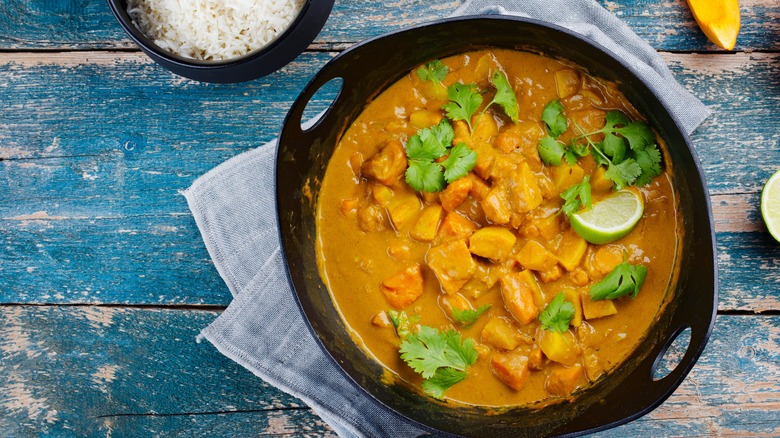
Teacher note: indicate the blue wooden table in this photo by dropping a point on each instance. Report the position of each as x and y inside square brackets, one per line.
[105, 282]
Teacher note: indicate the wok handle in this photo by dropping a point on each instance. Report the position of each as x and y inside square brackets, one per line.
[294, 120]
[700, 328]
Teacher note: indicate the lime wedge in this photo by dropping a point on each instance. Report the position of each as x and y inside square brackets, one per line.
[612, 218]
[770, 205]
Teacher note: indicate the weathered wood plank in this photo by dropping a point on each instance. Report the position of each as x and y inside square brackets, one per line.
[179, 116]
[154, 259]
[89, 371]
[739, 145]
[85, 25]
[95, 371]
[160, 259]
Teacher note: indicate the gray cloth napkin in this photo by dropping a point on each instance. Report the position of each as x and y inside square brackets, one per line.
[233, 206]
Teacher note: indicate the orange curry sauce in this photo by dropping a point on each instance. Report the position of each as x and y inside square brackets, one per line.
[375, 233]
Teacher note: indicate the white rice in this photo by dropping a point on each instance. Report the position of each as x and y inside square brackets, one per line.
[212, 29]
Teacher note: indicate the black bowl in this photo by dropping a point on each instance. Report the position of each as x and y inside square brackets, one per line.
[630, 391]
[278, 53]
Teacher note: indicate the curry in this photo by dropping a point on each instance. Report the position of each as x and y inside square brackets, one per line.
[444, 229]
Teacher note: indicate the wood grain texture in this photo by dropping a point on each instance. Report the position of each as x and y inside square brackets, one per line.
[139, 372]
[89, 25]
[157, 118]
[89, 371]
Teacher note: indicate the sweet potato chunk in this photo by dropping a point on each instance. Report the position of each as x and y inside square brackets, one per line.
[452, 263]
[521, 295]
[606, 258]
[535, 358]
[492, 242]
[563, 381]
[551, 274]
[535, 256]
[560, 347]
[486, 155]
[370, 218]
[404, 288]
[496, 205]
[565, 176]
[522, 135]
[511, 368]
[500, 333]
[571, 249]
[597, 309]
[455, 193]
[567, 82]
[479, 188]
[427, 224]
[387, 165]
[455, 226]
[524, 191]
[485, 127]
[381, 194]
[424, 118]
[403, 209]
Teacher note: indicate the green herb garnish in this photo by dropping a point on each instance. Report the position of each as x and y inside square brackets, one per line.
[442, 358]
[460, 161]
[464, 102]
[551, 150]
[625, 279]
[558, 314]
[577, 196]
[430, 144]
[402, 322]
[553, 117]
[628, 150]
[468, 316]
[505, 96]
[434, 71]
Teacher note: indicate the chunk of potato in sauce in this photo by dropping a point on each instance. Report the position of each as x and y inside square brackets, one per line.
[492, 238]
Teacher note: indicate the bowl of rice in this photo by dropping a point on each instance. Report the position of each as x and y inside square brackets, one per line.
[222, 40]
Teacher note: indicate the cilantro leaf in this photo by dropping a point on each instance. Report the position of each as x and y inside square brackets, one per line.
[416, 149]
[625, 279]
[442, 380]
[434, 71]
[613, 119]
[460, 161]
[430, 143]
[553, 116]
[614, 147]
[623, 174]
[649, 159]
[577, 196]
[429, 349]
[464, 102]
[574, 151]
[505, 96]
[550, 151]
[558, 314]
[402, 322]
[468, 316]
[425, 176]
[637, 133]
[638, 163]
